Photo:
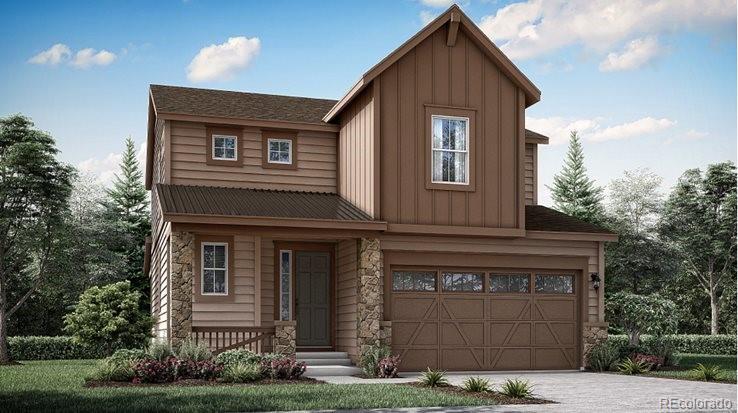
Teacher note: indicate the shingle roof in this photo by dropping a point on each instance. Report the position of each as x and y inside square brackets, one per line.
[541, 218]
[240, 105]
[207, 200]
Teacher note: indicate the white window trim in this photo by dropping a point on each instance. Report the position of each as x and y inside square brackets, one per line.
[235, 147]
[465, 151]
[202, 267]
[289, 307]
[269, 150]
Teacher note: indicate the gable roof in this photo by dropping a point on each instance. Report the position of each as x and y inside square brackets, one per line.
[541, 218]
[452, 15]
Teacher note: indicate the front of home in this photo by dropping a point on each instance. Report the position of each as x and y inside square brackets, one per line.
[404, 213]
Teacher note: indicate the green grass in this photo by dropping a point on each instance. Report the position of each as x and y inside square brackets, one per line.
[689, 361]
[58, 386]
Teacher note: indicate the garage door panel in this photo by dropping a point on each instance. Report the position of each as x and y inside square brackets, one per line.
[555, 333]
[513, 359]
[463, 308]
[462, 333]
[510, 308]
[419, 359]
[555, 309]
[406, 307]
[499, 332]
[414, 333]
[520, 336]
[554, 358]
[462, 358]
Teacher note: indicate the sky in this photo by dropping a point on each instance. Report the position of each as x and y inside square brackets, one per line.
[647, 83]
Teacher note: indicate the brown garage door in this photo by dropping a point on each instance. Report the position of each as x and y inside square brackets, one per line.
[484, 320]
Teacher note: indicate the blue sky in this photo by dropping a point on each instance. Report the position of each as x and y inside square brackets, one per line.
[649, 83]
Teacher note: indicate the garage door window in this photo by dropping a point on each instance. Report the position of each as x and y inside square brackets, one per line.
[463, 281]
[509, 283]
[414, 281]
[554, 284]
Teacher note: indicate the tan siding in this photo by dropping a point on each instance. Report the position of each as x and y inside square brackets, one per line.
[356, 153]
[267, 282]
[346, 287]
[159, 275]
[316, 162]
[531, 174]
[459, 76]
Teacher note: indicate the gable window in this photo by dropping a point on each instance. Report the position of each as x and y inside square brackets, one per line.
[280, 151]
[450, 150]
[224, 147]
[214, 268]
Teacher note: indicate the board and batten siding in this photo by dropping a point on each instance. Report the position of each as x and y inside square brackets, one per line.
[531, 178]
[315, 153]
[347, 283]
[458, 76]
[356, 161]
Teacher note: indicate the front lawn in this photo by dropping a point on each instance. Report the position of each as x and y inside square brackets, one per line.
[688, 361]
[58, 386]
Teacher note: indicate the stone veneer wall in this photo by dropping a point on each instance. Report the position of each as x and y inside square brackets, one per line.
[285, 336]
[370, 304]
[182, 256]
[592, 334]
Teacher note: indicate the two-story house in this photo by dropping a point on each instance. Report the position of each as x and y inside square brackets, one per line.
[404, 213]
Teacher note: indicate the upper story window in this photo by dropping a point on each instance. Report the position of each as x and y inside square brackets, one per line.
[224, 147]
[214, 268]
[280, 151]
[450, 149]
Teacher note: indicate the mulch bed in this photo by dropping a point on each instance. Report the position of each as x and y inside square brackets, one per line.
[498, 398]
[193, 382]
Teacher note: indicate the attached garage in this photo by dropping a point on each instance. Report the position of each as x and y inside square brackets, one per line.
[455, 318]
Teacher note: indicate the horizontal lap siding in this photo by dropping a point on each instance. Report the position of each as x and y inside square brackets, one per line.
[267, 282]
[159, 277]
[316, 162]
[346, 310]
[531, 163]
[356, 153]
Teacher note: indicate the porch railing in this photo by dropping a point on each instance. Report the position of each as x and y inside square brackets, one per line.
[220, 339]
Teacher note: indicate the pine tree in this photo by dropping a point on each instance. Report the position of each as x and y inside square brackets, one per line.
[573, 192]
[127, 207]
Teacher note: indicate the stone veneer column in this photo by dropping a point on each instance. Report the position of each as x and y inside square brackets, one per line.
[369, 307]
[182, 256]
[592, 334]
[285, 335]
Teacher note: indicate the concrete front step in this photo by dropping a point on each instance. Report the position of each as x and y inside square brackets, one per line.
[326, 362]
[317, 371]
[321, 355]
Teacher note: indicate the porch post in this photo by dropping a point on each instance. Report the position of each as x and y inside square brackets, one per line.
[285, 334]
[370, 305]
[180, 315]
[592, 335]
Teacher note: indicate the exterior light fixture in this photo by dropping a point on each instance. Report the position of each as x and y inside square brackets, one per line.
[595, 280]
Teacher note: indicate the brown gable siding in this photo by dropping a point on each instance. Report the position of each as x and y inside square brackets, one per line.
[531, 174]
[346, 287]
[459, 76]
[356, 154]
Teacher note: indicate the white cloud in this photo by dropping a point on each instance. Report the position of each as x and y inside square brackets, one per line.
[695, 134]
[636, 53]
[223, 61]
[88, 57]
[52, 56]
[427, 16]
[437, 3]
[104, 169]
[558, 128]
[536, 27]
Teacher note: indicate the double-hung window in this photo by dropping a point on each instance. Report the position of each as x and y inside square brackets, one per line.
[224, 147]
[280, 151]
[214, 268]
[450, 149]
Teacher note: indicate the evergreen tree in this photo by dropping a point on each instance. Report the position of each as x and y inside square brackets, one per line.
[573, 192]
[127, 207]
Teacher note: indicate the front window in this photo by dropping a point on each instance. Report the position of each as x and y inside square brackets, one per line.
[280, 151]
[285, 285]
[224, 147]
[463, 281]
[450, 149]
[215, 268]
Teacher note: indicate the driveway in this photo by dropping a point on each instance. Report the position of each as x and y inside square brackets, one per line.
[587, 392]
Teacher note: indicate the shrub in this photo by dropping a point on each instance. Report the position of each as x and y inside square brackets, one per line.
[283, 368]
[706, 373]
[603, 356]
[191, 350]
[663, 348]
[50, 348]
[631, 367]
[200, 370]
[654, 362]
[110, 318]
[238, 356]
[371, 356]
[159, 350]
[517, 388]
[641, 314]
[129, 355]
[476, 385]
[433, 378]
[720, 344]
[155, 371]
[239, 372]
[113, 370]
[388, 366]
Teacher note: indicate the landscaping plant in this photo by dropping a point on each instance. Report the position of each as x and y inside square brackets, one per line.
[661, 347]
[641, 314]
[191, 350]
[159, 350]
[283, 368]
[242, 372]
[476, 385]
[388, 367]
[434, 378]
[631, 367]
[371, 356]
[603, 356]
[654, 362]
[238, 356]
[155, 371]
[110, 369]
[129, 355]
[710, 372]
[517, 388]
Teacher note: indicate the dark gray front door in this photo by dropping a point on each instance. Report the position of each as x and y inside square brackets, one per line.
[312, 299]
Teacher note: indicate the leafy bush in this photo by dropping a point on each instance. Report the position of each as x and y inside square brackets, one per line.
[654, 362]
[113, 370]
[603, 356]
[129, 355]
[720, 344]
[388, 366]
[191, 369]
[239, 372]
[642, 314]
[159, 350]
[283, 368]
[517, 388]
[155, 371]
[50, 348]
[371, 356]
[110, 318]
[433, 378]
[632, 367]
[706, 373]
[476, 385]
[238, 356]
[193, 351]
[662, 348]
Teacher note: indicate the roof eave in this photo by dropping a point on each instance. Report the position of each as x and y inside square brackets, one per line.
[266, 123]
[259, 221]
[572, 236]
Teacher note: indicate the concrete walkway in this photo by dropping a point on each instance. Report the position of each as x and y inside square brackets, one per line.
[590, 392]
